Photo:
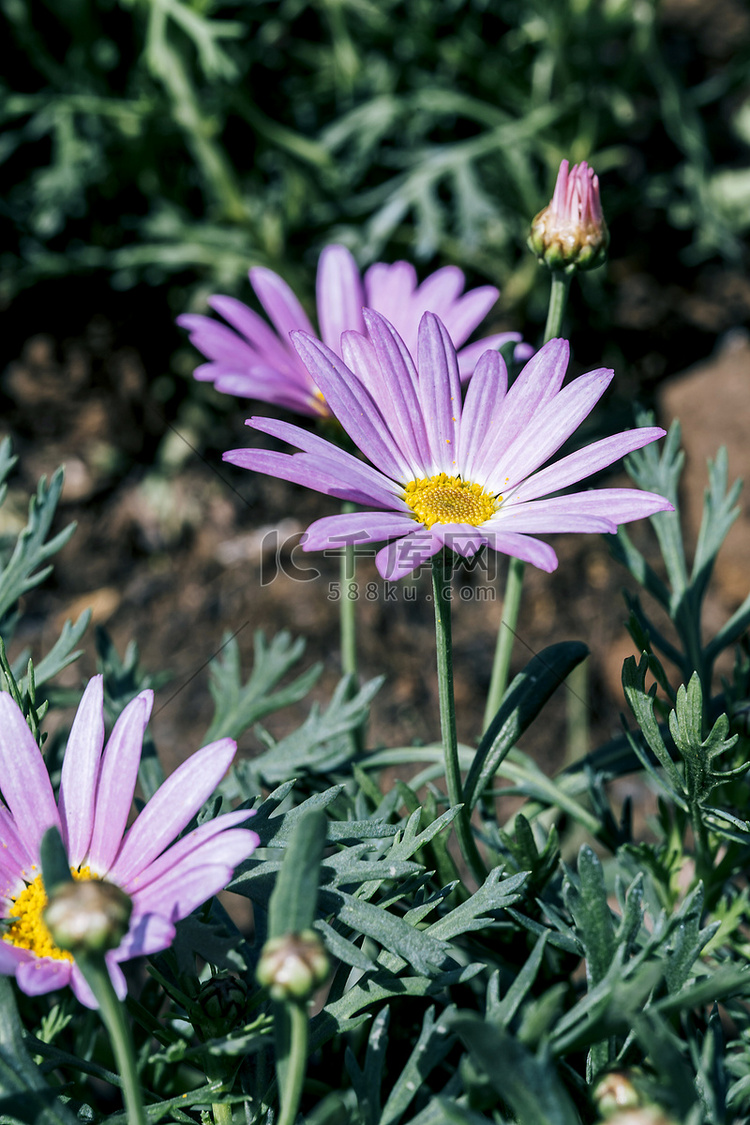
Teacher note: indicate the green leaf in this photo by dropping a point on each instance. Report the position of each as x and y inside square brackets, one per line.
[503, 1012]
[293, 902]
[720, 510]
[368, 1082]
[21, 573]
[236, 705]
[24, 1095]
[528, 1083]
[434, 1042]
[317, 746]
[642, 705]
[586, 899]
[524, 699]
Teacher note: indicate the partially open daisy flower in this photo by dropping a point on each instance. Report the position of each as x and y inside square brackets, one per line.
[447, 473]
[166, 880]
[252, 360]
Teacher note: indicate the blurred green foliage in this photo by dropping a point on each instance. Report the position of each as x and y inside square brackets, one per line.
[160, 139]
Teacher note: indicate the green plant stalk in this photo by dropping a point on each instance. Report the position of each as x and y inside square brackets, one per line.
[215, 1071]
[291, 1075]
[444, 646]
[94, 969]
[558, 298]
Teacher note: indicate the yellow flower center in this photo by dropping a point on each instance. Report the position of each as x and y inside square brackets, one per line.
[446, 499]
[28, 930]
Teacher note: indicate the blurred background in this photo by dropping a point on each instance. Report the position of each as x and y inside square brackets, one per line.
[152, 151]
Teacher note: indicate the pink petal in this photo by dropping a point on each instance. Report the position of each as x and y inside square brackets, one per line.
[301, 468]
[119, 773]
[332, 532]
[548, 430]
[401, 557]
[25, 782]
[173, 805]
[148, 933]
[468, 356]
[585, 462]
[354, 407]
[440, 393]
[539, 382]
[184, 888]
[468, 312]
[400, 387]
[191, 844]
[283, 308]
[256, 331]
[485, 392]
[80, 772]
[522, 547]
[461, 538]
[340, 295]
[14, 850]
[43, 974]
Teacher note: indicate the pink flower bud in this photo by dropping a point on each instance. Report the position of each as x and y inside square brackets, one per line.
[570, 233]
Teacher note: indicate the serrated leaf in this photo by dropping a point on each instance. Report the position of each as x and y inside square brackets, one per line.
[236, 705]
[32, 551]
[586, 899]
[317, 746]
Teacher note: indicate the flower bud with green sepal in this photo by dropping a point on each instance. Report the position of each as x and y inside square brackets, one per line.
[88, 915]
[570, 233]
[222, 1004]
[293, 966]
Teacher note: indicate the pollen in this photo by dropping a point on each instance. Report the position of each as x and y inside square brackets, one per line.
[446, 499]
[25, 923]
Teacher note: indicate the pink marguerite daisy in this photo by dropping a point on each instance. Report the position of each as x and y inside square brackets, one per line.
[251, 360]
[445, 472]
[165, 879]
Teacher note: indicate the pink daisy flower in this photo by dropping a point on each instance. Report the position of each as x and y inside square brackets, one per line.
[443, 472]
[252, 360]
[165, 879]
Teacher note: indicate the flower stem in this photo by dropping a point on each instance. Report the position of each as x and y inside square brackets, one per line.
[505, 637]
[558, 298]
[444, 645]
[94, 969]
[292, 1075]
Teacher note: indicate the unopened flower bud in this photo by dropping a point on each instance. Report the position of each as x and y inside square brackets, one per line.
[87, 915]
[616, 1091]
[570, 233]
[222, 1002]
[293, 966]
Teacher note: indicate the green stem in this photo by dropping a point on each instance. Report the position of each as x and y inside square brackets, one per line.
[94, 969]
[444, 645]
[216, 1072]
[505, 636]
[291, 1075]
[558, 297]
